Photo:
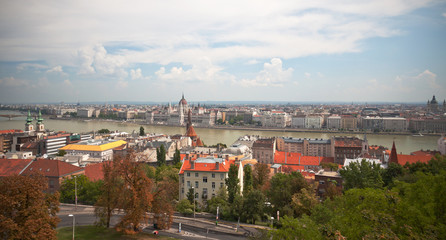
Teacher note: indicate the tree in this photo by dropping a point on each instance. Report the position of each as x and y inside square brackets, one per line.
[247, 179]
[61, 153]
[141, 131]
[232, 182]
[190, 195]
[185, 207]
[161, 155]
[304, 201]
[104, 130]
[26, 211]
[393, 171]
[253, 205]
[283, 187]
[136, 193]
[163, 202]
[362, 175]
[302, 228]
[260, 176]
[176, 157]
[111, 194]
[87, 191]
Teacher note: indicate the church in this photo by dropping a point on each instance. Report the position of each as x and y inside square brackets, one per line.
[434, 107]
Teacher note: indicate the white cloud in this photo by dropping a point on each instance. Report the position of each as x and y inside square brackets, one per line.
[12, 82]
[57, 68]
[221, 31]
[67, 82]
[24, 66]
[272, 74]
[97, 60]
[252, 62]
[202, 71]
[136, 73]
[444, 15]
[307, 75]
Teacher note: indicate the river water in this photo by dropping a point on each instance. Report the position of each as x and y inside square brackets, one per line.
[404, 143]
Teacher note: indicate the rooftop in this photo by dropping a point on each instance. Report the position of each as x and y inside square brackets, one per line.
[97, 146]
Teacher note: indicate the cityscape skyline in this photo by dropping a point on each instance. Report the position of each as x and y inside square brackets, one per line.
[297, 52]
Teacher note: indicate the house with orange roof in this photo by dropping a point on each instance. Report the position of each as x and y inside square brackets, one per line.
[94, 172]
[297, 161]
[206, 176]
[402, 159]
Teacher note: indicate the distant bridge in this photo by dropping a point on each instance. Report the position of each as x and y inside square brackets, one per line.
[10, 116]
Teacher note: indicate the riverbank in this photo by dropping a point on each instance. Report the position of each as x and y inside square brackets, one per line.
[247, 128]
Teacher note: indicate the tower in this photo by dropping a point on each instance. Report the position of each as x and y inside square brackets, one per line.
[365, 145]
[393, 155]
[29, 127]
[39, 126]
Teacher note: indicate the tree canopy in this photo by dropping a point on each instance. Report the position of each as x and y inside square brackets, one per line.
[26, 211]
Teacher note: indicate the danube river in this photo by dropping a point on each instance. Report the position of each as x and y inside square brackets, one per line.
[404, 143]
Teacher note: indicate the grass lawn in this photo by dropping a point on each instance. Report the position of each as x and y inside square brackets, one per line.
[93, 232]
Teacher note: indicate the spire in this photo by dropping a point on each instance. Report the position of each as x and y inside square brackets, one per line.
[182, 97]
[29, 119]
[393, 155]
[40, 119]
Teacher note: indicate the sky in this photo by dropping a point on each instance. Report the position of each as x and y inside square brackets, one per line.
[153, 51]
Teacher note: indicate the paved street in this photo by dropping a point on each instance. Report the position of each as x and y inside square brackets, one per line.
[190, 228]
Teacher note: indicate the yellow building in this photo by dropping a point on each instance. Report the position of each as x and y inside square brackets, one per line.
[102, 149]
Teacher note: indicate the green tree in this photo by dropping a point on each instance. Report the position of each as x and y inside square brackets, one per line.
[247, 179]
[141, 131]
[362, 175]
[61, 153]
[393, 171]
[185, 207]
[302, 228]
[283, 187]
[161, 155]
[253, 205]
[190, 195]
[104, 130]
[176, 157]
[26, 212]
[232, 183]
[87, 191]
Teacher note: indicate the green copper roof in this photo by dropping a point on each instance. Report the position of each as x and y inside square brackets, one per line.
[40, 119]
[29, 119]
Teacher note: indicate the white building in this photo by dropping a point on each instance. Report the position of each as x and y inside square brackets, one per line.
[298, 121]
[313, 122]
[102, 149]
[395, 123]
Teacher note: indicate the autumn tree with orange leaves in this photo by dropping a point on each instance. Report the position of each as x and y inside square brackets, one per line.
[26, 211]
[166, 190]
[136, 195]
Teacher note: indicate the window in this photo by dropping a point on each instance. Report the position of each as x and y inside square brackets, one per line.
[182, 190]
[222, 176]
[188, 184]
[213, 175]
[188, 174]
[205, 193]
[321, 182]
[205, 179]
[213, 185]
[182, 179]
[221, 185]
[196, 174]
[196, 184]
[196, 195]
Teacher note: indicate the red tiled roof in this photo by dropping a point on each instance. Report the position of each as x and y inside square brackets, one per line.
[205, 167]
[294, 168]
[94, 172]
[10, 167]
[403, 159]
[191, 132]
[297, 159]
[10, 131]
[52, 168]
[57, 136]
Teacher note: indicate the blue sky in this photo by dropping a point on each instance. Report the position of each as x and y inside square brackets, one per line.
[352, 51]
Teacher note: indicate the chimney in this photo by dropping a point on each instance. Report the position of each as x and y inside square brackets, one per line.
[227, 157]
[217, 166]
[187, 156]
[192, 164]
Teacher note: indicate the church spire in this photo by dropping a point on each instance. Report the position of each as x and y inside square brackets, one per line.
[393, 155]
[29, 119]
[40, 119]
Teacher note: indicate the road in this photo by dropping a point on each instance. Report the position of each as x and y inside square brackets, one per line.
[190, 228]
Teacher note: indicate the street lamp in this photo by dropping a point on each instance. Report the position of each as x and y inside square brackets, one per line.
[71, 215]
[75, 193]
[194, 200]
